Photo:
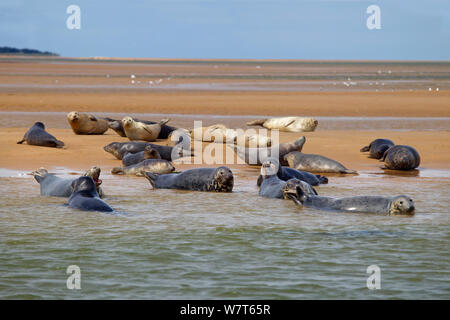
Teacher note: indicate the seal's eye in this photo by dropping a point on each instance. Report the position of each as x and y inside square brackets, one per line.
[401, 202]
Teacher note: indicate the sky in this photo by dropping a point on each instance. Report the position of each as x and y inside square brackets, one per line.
[231, 29]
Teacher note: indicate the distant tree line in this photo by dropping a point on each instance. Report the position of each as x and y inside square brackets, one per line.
[10, 50]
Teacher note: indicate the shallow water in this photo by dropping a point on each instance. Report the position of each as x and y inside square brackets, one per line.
[174, 244]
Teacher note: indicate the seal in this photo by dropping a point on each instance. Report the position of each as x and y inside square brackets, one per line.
[377, 148]
[199, 179]
[54, 186]
[256, 156]
[117, 126]
[83, 123]
[119, 149]
[85, 196]
[134, 158]
[401, 157]
[288, 124]
[274, 187]
[37, 136]
[286, 173]
[399, 205]
[140, 131]
[315, 163]
[151, 165]
[215, 133]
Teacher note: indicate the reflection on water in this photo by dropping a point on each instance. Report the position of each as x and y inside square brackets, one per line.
[179, 244]
[59, 120]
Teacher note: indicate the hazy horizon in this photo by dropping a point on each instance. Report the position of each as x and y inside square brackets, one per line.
[333, 30]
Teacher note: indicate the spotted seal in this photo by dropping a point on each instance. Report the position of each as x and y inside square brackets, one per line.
[315, 163]
[134, 158]
[400, 157]
[119, 149]
[151, 165]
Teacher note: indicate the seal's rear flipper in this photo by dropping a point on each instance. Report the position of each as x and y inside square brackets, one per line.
[258, 122]
[365, 149]
[21, 141]
[117, 170]
[151, 177]
[60, 144]
[163, 121]
[322, 179]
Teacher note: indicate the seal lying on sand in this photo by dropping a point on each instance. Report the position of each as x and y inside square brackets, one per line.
[286, 173]
[214, 133]
[400, 157]
[135, 130]
[152, 165]
[199, 179]
[85, 196]
[377, 148]
[289, 124]
[314, 163]
[399, 205]
[134, 158]
[37, 136]
[256, 156]
[117, 126]
[55, 186]
[83, 123]
[119, 149]
[274, 187]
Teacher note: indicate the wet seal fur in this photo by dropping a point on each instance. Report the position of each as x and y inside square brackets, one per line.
[315, 163]
[85, 197]
[54, 186]
[134, 158]
[286, 173]
[84, 123]
[152, 165]
[401, 157]
[377, 148]
[199, 179]
[37, 136]
[399, 205]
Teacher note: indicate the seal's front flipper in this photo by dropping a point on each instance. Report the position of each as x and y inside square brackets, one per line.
[21, 141]
[151, 177]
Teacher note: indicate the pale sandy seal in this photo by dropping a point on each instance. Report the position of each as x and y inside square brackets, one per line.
[377, 148]
[399, 205]
[134, 158]
[83, 123]
[401, 157]
[54, 186]
[314, 163]
[151, 165]
[215, 133]
[85, 197]
[199, 179]
[117, 126]
[37, 136]
[256, 156]
[288, 124]
[135, 130]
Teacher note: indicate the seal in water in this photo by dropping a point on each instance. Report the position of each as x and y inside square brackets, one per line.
[140, 131]
[377, 148]
[117, 126]
[54, 186]
[198, 179]
[256, 156]
[152, 165]
[134, 158]
[315, 163]
[119, 149]
[399, 205]
[85, 196]
[288, 124]
[400, 157]
[37, 136]
[286, 173]
[83, 123]
[274, 187]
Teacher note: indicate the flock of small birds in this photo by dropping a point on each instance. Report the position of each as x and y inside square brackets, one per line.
[286, 172]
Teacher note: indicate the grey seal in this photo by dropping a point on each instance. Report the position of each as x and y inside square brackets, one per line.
[199, 179]
[315, 163]
[152, 165]
[134, 158]
[401, 157]
[54, 186]
[399, 205]
[37, 136]
[85, 196]
[377, 148]
[286, 173]
[256, 156]
[119, 149]
[274, 187]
